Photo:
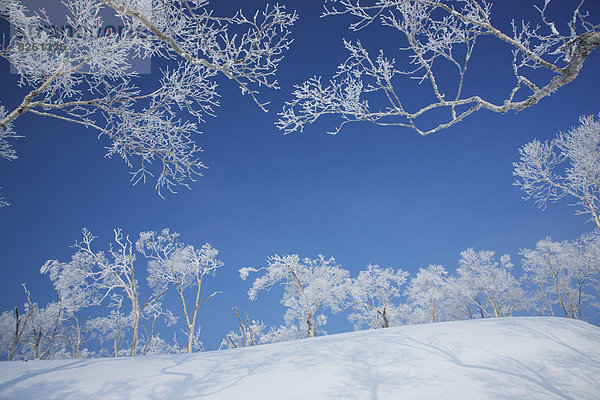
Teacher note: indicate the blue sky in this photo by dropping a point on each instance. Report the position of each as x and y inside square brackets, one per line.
[367, 195]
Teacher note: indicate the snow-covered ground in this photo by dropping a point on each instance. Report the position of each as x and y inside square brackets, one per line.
[507, 358]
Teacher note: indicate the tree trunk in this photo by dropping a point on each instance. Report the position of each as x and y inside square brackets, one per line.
[17, 336]
[52, 335]
[136, 325]
[134, 339]
[310, 326]
[386, 323]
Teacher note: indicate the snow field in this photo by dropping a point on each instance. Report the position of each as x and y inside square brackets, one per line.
[505, 358]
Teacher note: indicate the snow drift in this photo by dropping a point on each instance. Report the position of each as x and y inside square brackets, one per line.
[507, 358]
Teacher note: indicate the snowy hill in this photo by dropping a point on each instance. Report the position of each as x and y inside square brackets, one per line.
[508, 358]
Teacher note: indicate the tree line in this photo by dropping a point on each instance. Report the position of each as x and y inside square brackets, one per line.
[558, 279]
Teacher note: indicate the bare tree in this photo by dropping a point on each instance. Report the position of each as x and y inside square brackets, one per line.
[85, 78]
[566, 167]
[440, 37]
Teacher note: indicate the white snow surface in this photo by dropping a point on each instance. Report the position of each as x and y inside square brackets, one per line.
[505, 358]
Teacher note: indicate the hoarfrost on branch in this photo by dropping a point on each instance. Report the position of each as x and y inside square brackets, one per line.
[90, 80]
[309, 287]
[565, 167]
[441, 38]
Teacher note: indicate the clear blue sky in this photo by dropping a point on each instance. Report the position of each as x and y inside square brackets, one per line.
[368, 195]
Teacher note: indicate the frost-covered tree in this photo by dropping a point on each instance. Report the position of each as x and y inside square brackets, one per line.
[310, 286]
[74, 296]
[427, 294]
[283, 333]
[105, 274]
[112, 327]
[374, 295]
[254, 333]
[3, 203]
[33, 333]
[12, 328]
[78, 71]
[43, 328]
[488, 284]
[566, 167]
[438, 39]
[151, 339]
[250, 333]
[564, 273]
[183, 266]
[158, 345]
[591, 245]
[9, 332]
[75, 333]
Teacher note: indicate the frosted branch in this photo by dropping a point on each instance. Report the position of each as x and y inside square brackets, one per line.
[441, 35]
[90, 79]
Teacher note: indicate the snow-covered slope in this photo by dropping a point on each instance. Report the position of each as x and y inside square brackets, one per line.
[508, 358]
